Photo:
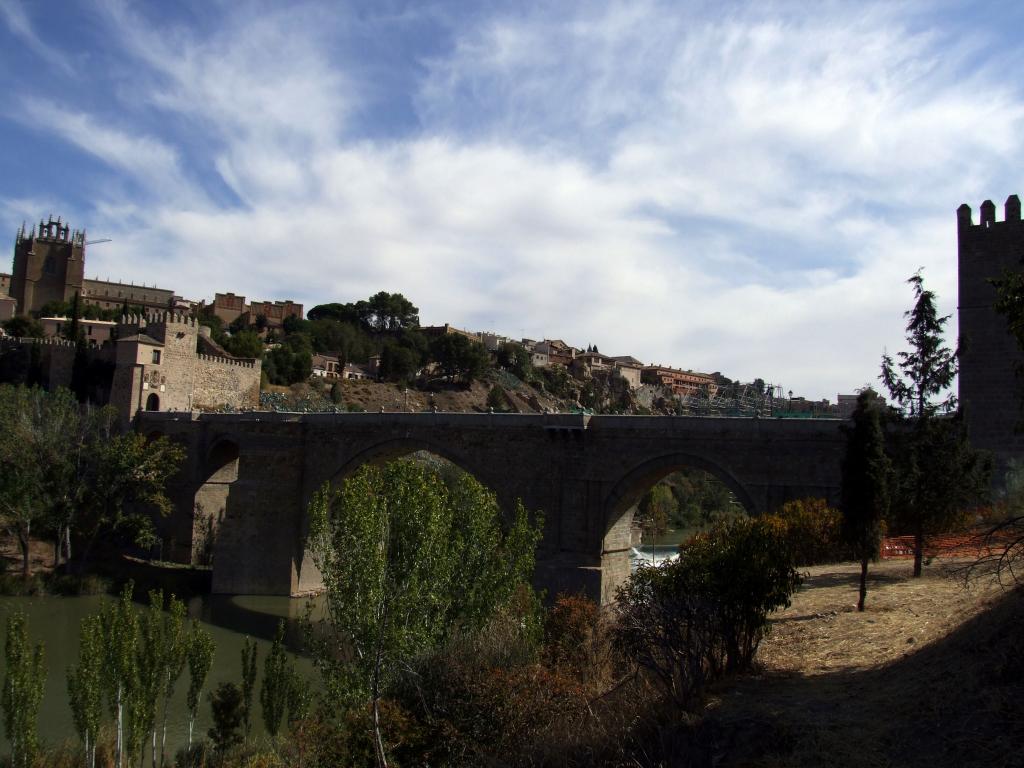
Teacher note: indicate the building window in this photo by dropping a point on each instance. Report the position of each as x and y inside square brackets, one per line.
[156, 356]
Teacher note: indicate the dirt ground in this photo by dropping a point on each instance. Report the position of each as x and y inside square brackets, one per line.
[930, 674]
[40, 555]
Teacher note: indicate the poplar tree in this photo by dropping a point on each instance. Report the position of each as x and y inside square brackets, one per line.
[85, 686]
[866, 474]
[249, 654]
[406, 560]
[176, 640]
[22, 692]
[120, 624]
[200, 659]
[276, 679]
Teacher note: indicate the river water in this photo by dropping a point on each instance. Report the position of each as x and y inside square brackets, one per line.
[55, 621]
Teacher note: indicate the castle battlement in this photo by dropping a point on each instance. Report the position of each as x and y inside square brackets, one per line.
[987, 220]
[241, 362]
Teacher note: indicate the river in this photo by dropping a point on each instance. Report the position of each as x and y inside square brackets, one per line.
[55, 621]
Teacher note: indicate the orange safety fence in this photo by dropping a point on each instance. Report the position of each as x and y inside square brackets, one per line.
[968, 544]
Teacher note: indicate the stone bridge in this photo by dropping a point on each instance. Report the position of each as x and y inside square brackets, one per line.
[248, 477]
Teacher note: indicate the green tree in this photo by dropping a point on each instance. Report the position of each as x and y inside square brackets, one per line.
[120, 624]
[397, 363]
[866, 473]
[245, 344]
[934, 454]
[515, 358]
[460, 358]
[200, 649]
[249, 654]
[25, 676]
[276, 680]
[85, 685]
[175, 645]
[226, 708]
[22, 327]
[655, 510]
[406, 560]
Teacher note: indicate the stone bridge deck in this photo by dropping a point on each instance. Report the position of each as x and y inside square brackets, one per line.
[249, 477]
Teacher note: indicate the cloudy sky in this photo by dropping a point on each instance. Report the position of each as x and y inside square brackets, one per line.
[720, 186]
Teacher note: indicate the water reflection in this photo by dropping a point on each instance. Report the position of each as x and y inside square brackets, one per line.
[55, 621]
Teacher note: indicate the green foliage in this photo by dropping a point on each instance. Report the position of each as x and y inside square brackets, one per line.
[337, 394]
[199, 655]
[929, 368]
[120, 625]
[381, 312]
[497, 399]
[226, 708]
[939, 474]
[459, 358]
[867, 476]
[656, 508]
[693, 620]
[244, 344]
[516, 359]
[85, 685]
[407, 560]
[24, 678]
[277, 679]
[688, 500]
[22, 327]
[398, 363]
[249, 654]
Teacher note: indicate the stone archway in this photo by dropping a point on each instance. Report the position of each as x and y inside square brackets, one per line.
[153, 402]
[212, 499]
[622, 500]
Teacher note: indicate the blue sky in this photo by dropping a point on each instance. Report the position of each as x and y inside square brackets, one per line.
[720, 186]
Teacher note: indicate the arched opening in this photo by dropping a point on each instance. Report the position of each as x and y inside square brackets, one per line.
[213, 500]
[153, 402]
[660, 504]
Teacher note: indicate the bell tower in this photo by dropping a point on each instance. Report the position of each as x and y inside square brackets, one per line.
[49, 265]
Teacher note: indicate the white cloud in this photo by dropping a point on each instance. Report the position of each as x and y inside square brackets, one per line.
[18, 22]
[744, 193]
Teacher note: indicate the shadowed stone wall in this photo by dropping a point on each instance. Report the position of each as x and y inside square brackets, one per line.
[990, 389]
[585, 473]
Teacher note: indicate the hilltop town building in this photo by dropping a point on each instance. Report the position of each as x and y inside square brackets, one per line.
[679, 381]
[49, 266]
[229, 307]
[96, 332]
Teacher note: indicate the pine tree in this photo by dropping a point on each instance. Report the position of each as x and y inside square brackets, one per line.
[934, 454]
[866, 478]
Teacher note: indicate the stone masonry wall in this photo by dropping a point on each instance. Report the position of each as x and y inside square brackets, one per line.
[220, 382]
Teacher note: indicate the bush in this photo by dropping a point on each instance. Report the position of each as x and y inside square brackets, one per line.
[702, 616]
[812, 530]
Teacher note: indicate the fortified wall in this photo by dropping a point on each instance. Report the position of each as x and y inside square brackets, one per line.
[159, 368]
[991, 382]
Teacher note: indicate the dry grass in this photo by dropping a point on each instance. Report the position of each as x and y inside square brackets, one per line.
[929, 675]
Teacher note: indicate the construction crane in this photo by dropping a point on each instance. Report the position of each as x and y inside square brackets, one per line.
[101, 240]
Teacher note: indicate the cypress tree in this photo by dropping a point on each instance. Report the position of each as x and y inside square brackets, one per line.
[85, 686]
[866, 475]
[249, 654]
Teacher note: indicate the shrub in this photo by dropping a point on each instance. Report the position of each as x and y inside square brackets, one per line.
[812, 531]
[703, 615]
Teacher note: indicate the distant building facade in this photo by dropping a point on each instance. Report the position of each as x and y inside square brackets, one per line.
[679, 381]
[230, 307]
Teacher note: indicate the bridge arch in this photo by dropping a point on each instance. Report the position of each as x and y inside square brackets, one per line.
[621, 503]
[214, 499]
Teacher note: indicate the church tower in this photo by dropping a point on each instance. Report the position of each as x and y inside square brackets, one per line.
[49, 265]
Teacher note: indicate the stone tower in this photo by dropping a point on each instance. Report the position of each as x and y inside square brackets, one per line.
[49, 265]
[991, 390]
